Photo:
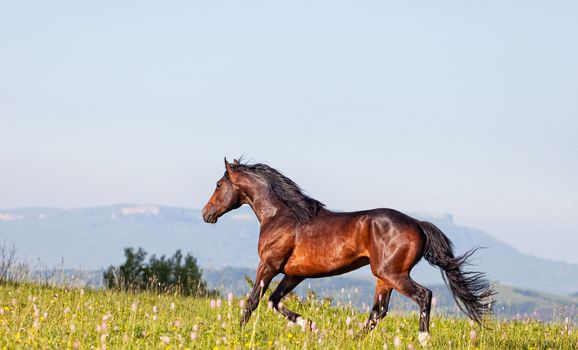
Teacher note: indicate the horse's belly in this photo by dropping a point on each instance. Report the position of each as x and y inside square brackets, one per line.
[316, 263]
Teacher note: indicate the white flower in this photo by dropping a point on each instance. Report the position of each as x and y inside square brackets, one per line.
[165, 339]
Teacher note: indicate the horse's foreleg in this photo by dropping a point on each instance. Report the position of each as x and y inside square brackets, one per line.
[264, 276]
[287, 284]
[380, 305]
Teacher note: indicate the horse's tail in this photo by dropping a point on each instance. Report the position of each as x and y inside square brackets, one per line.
[470, 289]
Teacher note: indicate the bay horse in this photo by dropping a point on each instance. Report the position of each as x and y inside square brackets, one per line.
[301, 239]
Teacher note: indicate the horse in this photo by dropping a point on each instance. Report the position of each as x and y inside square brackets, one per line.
[300, 238]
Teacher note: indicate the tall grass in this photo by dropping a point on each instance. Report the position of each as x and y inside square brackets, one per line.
[47, 317]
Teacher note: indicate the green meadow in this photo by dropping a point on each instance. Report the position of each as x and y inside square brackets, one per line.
[37, 316]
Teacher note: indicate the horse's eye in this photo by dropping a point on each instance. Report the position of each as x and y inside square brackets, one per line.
[218, 185]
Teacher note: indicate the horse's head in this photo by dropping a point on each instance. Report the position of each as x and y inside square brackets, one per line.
[227, 196]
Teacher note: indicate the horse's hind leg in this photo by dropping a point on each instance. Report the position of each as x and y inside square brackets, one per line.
[380, 305]
[287, 284]
[422, 296]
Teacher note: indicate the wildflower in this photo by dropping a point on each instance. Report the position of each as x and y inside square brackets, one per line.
[173, 307]
[125, 338]
[195, 328]
[76, 345]
[67, 310]
[72, 327]
[242, 303]
[473, 335]
[155, 309]
[134, 307]
[230, 299]
[270, 305]
[219, 317]
[155, 317]
[165, 339]
[193, 336]
[410, 346]
[177, 324]
[348, 320]
[213, 304]
[385, 346]
[36, 324]
[350, 332]
[219, 303]
[103, 338]
[396, 342]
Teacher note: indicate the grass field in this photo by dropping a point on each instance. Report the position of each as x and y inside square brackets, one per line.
[35, 316]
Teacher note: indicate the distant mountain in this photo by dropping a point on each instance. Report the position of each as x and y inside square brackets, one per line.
[93, 238]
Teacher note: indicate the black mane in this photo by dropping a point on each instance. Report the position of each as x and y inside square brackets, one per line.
[303, 207]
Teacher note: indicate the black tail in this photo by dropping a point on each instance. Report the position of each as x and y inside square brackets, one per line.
[471, 291]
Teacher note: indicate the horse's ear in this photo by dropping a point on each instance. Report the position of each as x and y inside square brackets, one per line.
[228, 166]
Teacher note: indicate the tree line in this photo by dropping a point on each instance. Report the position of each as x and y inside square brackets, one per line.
[176, 275]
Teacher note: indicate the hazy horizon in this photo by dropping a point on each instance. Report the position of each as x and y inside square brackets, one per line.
[461, 108]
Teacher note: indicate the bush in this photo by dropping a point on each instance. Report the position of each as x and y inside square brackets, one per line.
[177, 274]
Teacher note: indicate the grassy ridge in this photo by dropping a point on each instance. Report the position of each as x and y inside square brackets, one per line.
[34, 316]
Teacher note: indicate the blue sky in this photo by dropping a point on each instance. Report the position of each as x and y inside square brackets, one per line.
[468, 108]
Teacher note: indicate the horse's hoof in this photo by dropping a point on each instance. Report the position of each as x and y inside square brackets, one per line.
[306, 325]
[423, 338]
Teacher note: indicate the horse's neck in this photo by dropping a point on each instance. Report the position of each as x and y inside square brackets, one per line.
[264, 205]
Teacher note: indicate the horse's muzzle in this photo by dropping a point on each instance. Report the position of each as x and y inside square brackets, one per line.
[210, 215]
